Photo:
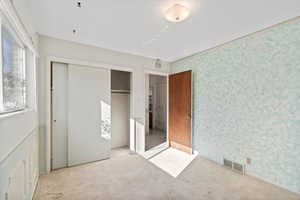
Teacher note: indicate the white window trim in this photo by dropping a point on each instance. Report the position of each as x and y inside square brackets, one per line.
[5, 23]
[6, 116]
[13, 23]
[8, 11]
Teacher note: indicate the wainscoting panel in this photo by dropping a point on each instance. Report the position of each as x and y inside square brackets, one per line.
[19, 171]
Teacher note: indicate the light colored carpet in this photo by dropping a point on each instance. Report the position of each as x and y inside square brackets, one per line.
[131, 177]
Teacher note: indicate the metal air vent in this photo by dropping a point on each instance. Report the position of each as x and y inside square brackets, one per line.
[237, 167]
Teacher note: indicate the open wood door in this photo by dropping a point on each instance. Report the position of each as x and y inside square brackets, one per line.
[180, 111]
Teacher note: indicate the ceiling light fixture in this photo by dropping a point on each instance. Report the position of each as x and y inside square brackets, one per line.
[177, 13]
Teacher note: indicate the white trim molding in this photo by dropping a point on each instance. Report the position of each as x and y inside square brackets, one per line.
[8, 10]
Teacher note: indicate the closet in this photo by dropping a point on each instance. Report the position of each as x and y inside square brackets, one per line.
[120, 102]
[90, 113]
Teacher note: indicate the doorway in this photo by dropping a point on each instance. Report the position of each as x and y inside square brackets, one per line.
[156, 111]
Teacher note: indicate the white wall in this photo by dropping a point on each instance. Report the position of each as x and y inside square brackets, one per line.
[18, 131]
[51, 48]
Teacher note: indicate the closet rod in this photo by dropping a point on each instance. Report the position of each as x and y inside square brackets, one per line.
[121, 91]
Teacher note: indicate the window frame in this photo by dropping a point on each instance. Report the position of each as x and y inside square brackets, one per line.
[4, 22]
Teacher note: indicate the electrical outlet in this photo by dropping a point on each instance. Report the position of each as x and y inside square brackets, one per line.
[248, 160]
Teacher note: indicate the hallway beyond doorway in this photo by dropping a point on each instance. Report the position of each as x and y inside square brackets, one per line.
[156, 110]
[154, 138]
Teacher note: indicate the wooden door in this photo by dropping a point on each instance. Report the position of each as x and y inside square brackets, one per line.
[180, 111]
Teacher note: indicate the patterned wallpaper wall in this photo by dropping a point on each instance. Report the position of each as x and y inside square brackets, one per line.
[247, 103]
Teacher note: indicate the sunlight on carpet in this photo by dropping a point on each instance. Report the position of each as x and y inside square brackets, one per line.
[172, 161]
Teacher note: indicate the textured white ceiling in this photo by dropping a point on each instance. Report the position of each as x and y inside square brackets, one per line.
[138, 26]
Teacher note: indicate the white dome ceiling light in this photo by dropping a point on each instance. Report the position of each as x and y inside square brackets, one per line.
[177, 13]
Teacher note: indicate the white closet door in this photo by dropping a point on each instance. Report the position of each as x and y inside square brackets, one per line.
[89, 114]
[59, 115]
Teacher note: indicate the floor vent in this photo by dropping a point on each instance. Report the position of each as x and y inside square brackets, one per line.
[234, 166]
[228, 163]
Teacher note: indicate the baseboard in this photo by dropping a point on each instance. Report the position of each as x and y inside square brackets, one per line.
[252, 175]
[181, 147]
[34, 188]
[270, 182]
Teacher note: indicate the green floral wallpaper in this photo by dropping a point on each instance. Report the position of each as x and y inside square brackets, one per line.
[246, 98]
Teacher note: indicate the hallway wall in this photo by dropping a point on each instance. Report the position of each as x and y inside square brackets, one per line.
[159, 86]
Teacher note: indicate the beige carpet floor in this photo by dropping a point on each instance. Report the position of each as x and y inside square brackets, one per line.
[131, 177]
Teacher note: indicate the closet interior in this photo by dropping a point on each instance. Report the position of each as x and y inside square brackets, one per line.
[120, 110]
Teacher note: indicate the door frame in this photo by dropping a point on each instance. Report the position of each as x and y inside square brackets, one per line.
[165, 145]
[48, 97]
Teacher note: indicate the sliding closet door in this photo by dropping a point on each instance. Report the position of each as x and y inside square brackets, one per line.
[89, 114]
[59, 115]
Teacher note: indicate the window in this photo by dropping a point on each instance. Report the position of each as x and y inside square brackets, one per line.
[12, 77]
